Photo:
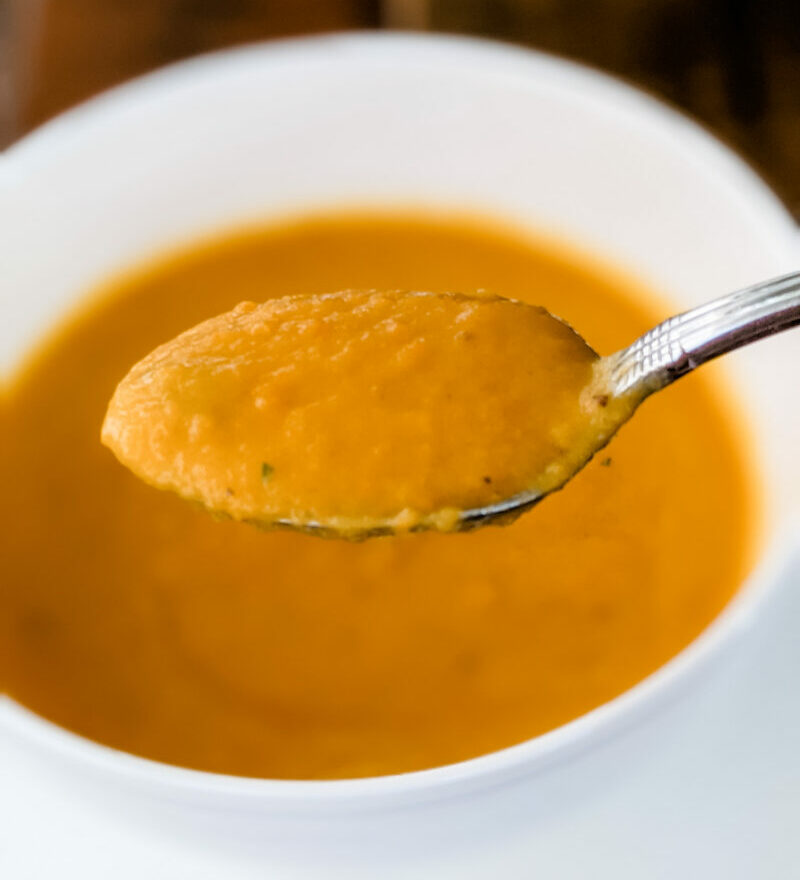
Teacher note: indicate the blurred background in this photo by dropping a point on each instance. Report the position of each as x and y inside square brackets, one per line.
[733, 64]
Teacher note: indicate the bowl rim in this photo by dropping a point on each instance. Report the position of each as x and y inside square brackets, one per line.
[523, 759]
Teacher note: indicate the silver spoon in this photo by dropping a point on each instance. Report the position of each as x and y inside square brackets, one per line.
[659, 357]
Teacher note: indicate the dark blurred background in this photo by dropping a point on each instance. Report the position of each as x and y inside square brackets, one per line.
[733, 64]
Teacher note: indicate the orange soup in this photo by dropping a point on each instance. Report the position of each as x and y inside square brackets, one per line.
[138, 621]
[365, 412]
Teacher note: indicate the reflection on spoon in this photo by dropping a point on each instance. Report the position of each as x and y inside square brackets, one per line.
[368, 413]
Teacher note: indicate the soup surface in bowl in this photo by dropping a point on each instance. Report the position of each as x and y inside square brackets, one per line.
[135, 620]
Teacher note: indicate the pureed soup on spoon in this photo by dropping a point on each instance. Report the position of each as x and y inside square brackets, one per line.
[138, 621]
[365, 412]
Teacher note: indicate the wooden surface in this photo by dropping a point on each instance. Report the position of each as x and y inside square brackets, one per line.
[734, 64]
[79, 47]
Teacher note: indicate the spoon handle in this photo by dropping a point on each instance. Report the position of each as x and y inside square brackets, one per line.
[680, 344]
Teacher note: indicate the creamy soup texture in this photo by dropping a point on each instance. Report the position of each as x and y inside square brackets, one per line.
[363, 410]
[135, 619]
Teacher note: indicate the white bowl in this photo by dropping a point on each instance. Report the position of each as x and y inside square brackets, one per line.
[399, 120]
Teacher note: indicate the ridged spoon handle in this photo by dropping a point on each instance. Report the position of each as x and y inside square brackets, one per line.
[680, 344]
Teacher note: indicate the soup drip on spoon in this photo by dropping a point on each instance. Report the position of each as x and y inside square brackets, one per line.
[368, 413]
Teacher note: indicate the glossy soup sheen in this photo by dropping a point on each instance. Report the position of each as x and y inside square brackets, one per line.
[137, 620]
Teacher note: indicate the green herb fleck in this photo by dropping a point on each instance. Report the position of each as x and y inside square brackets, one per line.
[605, 462]
[266, 471]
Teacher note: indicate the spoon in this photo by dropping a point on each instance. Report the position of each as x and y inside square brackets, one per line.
[671, 350]
[344, 415]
